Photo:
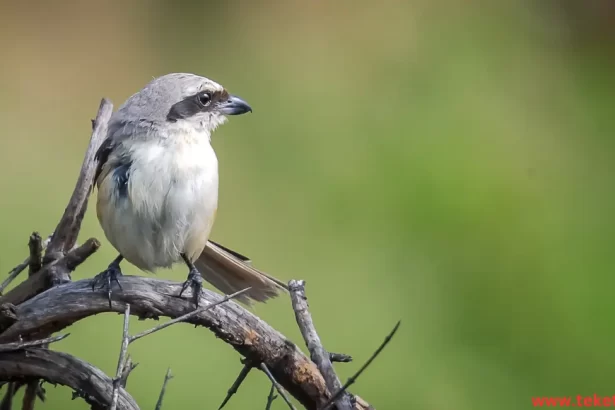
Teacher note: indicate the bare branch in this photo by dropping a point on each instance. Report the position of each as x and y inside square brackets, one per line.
[61, 368]
[167, 377]
[277, 385]
[29, 397]
[10, 347]
[36, 253]
[318, 354]
[67, 230]
[7, 400]
[148, 297]
[120, 363]
[79, 254]
[271, 397]
[242, 376]
[128, 368]
[42, 280]
[354, 377]
[18, 269]
[35, 245]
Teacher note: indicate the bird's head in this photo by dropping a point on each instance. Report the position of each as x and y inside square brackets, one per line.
[184, 100]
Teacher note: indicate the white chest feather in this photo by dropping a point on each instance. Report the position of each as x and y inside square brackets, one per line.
[169, 204]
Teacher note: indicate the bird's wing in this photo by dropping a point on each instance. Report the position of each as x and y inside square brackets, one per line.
[230, 272]
[102, 155]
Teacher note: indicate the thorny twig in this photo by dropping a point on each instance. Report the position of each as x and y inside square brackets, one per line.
[29, 397]
[354, 377]
[51, 273]
[242, 376]
[127, 339]
[120, 362]
[167, 377]
[19, 268]
[9, 347]
[35, 244]
[277, 385]
[7, 400]
[33, 388]
[128, 368]
[271, 397]
[318, 354]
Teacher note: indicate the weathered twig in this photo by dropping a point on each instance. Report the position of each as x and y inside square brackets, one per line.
[167, 377]
[120, 363]
[318, 354]
[18, 269]
[10, 347]
[277, 385]
[128, 368]
[36, 253]
[242, 376]
[66, 232]
[7, 400]
[354, 377]
[271, 397]
[41, 280]
[35, 245]
[61, 368]
[127, 339]
[29, 397]
[149, 297]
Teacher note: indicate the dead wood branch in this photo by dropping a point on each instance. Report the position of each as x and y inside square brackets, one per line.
[61, 306]
[43, 279]
[318, 354]
[65, 234]
[235, 386]
[61, 368]
[369, 361]
[167, 377]
[19, 268]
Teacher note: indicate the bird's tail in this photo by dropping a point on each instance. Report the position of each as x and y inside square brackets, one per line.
[230, 272]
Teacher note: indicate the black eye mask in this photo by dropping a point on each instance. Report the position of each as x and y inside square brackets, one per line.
[204, 101]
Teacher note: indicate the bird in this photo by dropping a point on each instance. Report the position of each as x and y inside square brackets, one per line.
[157, 188]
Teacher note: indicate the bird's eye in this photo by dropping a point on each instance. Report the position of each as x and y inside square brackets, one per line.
[204, 98]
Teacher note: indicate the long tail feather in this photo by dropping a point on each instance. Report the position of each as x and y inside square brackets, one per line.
[230, 272]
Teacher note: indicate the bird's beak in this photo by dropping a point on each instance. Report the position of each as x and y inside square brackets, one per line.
[234, 106]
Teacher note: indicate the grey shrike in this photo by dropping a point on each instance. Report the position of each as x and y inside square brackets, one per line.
[157, 185]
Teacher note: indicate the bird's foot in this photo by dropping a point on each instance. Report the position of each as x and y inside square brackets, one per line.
[195, 282]
[105, 279]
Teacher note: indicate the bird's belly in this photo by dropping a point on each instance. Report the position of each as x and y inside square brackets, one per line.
[169, 209]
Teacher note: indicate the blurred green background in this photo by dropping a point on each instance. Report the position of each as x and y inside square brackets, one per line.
[446, 163]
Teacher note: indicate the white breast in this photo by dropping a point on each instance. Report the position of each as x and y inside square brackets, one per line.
[171, 201]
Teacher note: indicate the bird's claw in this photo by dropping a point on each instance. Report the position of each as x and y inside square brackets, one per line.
[195, 282]
[106, 278]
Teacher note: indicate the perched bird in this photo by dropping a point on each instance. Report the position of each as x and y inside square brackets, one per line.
[157, 183]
